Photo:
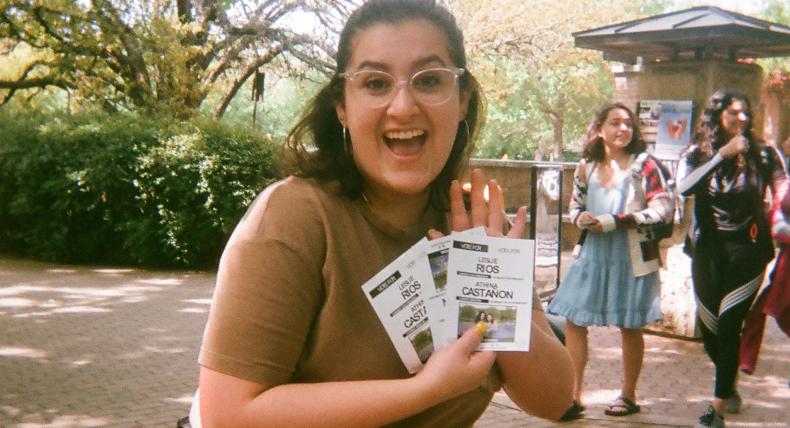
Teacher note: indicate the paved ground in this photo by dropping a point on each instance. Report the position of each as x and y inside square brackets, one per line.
[85, 347]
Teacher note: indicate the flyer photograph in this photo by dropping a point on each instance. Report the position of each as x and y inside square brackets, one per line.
[396, 293]
[490, 280]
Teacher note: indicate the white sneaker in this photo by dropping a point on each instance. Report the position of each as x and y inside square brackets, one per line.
[734, 403]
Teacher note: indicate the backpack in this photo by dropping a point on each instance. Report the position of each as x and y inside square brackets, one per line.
[661, 230]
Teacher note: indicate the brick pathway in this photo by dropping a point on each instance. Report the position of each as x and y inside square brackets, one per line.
[84, 347]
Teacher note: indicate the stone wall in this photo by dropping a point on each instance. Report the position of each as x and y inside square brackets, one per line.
[777, 116]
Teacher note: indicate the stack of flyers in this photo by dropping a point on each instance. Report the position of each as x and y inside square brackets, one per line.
[437, 289]
[396, 293]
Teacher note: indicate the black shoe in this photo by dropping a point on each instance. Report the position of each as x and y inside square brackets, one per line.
[573, 412]
[711, 419]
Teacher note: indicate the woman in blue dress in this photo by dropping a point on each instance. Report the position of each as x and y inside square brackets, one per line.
[619, 192]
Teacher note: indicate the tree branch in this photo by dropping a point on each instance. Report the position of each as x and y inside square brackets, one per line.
[242, 77]
[39, 82]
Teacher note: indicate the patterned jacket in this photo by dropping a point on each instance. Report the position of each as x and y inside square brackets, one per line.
[650, 201]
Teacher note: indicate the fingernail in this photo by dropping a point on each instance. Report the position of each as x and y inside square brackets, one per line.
[481, 328]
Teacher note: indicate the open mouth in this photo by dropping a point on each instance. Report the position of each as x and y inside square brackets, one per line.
[405, 143]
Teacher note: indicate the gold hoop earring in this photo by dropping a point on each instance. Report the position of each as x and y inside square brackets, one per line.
[347, 148]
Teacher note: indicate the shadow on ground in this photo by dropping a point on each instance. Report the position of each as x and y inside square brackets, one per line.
[97, 347]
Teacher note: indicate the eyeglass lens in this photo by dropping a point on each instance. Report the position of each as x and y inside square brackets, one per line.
[377, 88]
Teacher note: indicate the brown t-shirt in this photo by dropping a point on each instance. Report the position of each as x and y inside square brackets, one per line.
[289, 307]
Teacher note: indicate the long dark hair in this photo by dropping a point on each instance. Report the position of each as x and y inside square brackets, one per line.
[710, 136]
[315, 147]
[594, 146]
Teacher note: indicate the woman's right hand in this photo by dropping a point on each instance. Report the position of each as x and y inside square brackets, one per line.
[736, 146]
[457, 368]
[226, 400]
[587, 220]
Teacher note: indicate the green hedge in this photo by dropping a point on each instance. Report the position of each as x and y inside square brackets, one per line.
[121, 189]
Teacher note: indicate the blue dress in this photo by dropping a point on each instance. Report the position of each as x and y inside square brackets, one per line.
[600, 287]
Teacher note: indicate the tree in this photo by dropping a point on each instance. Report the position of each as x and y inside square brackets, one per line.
[775, 11]
[539, 86]
[162, 55]
[776, 82]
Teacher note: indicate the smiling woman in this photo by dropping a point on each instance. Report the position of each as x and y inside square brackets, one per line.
[730, 172]
[618, 191]
[401, 135]
[291, 338]
[366, 66]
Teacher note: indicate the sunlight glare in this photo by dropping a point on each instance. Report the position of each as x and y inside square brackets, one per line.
[10, 351]
[16, 302]
[80, 310]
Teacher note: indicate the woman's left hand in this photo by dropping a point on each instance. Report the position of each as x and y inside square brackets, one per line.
[491, 215]
[548, 364]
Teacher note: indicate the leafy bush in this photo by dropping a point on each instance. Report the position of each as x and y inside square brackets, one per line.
[123, 189]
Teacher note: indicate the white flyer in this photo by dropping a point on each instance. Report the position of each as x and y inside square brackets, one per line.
[396, 293]
[491, 280]
[436, 255]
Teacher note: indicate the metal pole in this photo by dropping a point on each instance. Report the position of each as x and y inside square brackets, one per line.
[533, 202]
[559, 228]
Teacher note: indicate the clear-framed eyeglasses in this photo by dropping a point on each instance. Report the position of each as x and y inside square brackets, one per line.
[375, 88]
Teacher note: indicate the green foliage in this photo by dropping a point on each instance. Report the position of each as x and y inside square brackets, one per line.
[775, 11]
[521, 106]
[122, 189]
[283, 100]
[541, 89]
[653, 7]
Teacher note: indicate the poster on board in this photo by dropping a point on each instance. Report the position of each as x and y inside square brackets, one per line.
[666, 126]
[674, 129]
[649, 112]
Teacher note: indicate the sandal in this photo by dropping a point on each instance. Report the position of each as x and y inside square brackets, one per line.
[622, 406]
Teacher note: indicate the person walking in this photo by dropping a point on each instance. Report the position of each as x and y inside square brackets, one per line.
[619, 190]
[729, 171]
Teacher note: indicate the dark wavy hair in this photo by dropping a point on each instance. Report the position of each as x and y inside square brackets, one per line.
[594, 146]
[315, 147]
[709, 135]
